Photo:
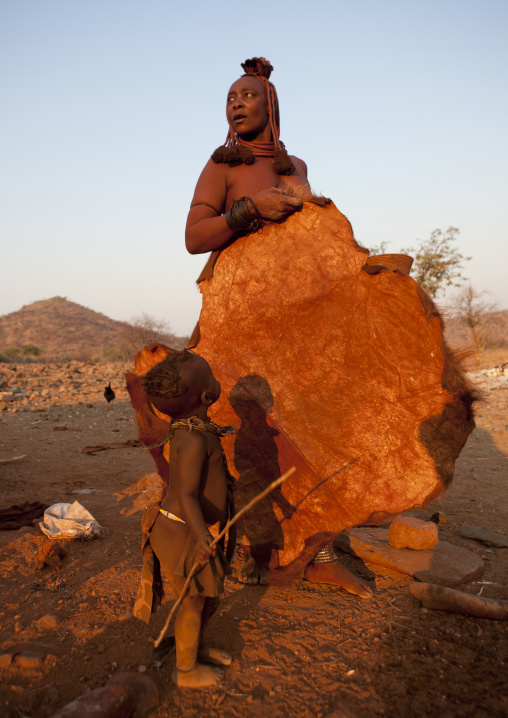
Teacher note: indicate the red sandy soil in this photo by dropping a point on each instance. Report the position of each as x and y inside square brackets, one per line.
[305, 650]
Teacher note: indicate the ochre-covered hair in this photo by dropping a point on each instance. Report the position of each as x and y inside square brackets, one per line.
[235, 150]
[164, 380]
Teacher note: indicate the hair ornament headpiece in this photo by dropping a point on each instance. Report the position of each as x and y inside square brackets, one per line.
[236, 151]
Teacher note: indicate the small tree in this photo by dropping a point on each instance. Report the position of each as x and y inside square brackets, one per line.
[142, 330]
[378, 248]
[473, 308]
[437, 262]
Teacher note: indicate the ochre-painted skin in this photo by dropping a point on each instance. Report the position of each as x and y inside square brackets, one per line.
[219, 186]
[336, 574]
[197, 494]
[333, 573]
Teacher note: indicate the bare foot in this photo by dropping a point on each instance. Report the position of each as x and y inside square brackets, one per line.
[252, 573]
[199, 677]
[336, 574]
[215, 656]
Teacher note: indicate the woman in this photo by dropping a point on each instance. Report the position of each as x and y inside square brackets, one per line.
[247, 182]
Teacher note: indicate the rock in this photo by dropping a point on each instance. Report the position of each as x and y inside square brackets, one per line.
[3, 405]
[145, 689]
[73, 427]
[488, 537]
[444, 564]
[29, 659]
[6, 659]
[447, 599]
[409, 532]
[18, 627]
[439, 518]
[26, 530]
[50, 554]
[111, 701]
[49, 622]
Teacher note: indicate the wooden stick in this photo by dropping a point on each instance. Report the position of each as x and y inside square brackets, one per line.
[235, 518]
[14, 458]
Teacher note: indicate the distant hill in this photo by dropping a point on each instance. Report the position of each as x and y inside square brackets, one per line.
[64, 329]
[495, 329]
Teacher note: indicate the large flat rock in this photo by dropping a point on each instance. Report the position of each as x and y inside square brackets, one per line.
[444, 564]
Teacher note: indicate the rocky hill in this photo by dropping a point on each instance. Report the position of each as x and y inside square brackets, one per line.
[60, 329]
[494, 331]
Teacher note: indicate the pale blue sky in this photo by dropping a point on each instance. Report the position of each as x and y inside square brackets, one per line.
[110, 109]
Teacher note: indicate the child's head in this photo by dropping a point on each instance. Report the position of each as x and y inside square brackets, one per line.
[181, 385]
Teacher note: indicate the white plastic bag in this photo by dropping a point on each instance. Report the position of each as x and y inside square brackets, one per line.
[70, 521]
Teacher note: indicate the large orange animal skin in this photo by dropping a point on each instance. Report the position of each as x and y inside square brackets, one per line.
[335, 367]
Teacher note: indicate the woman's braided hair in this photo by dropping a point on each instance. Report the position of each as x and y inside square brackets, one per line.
[236, 151]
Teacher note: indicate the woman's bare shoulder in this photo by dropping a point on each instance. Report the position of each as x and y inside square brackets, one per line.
[301, 166]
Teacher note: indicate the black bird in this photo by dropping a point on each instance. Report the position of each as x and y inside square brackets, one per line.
[109, 394]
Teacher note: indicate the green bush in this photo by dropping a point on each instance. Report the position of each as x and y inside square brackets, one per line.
[111, 353]
[32, 350]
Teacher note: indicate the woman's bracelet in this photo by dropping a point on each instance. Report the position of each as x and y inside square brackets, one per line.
[239, 218]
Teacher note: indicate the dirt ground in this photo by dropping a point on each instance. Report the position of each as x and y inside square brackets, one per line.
[305, 650]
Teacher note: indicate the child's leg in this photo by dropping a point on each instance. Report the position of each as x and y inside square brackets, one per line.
[188, 671]
[215, 656]
[168, 539]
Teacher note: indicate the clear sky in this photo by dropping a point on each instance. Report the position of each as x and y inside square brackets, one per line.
[110, 109]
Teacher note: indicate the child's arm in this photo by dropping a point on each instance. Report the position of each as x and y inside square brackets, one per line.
[192, 454]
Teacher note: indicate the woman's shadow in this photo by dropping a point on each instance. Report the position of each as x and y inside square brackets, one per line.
[256, 460]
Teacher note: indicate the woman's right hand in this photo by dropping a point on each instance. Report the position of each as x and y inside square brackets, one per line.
[274, 204]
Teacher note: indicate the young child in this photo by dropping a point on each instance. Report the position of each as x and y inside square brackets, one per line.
[176, 532]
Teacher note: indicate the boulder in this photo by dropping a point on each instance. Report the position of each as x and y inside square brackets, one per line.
[410, 532]
[111, 701]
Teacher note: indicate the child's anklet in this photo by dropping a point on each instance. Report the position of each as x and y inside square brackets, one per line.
[188, 670]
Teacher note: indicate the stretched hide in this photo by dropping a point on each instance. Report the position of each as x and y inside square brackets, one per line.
[336, 367]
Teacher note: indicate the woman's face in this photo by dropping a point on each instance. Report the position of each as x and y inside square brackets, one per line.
[247, 106]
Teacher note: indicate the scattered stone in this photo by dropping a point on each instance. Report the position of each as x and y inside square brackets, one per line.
[144, 688]
[50, 554]
[488, 537]
[447, 599]
[6, 659]
[111, 701]
[444, 564]
[439, 518]
[409, 532]
[49, 622]
[29, 659]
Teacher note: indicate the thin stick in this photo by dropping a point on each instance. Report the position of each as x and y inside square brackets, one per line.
[235, 518]
[14, 458]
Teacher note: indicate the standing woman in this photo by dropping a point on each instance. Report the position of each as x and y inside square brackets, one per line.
[250, 180]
